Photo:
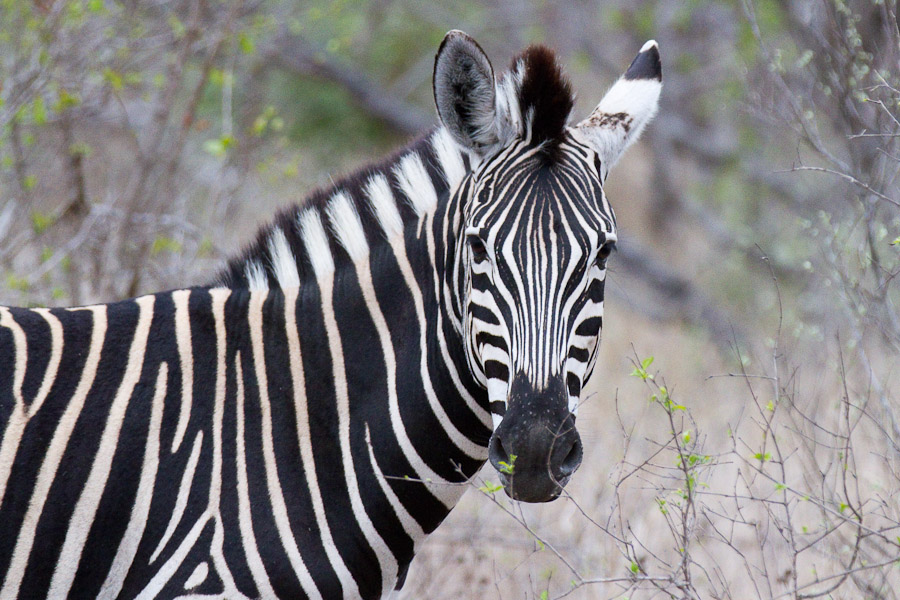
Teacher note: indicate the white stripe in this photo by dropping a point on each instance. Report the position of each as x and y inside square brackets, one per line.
[347, 226]
[256, 276]
[304, 437]
[165, 573]
[184, 490]
[465, 445]
[55, 451]
[181, 298]
[316, 242]
[449, 157]
[18, 418]
[416, 184]
[410, 525]
[479, 411]
[197, 576]
[276, 492]
[21, 353]
[21, 413]
[444, 491]
[283, 262]
[439, 280]
[387, 561]
[86, 507]
[219, 298]
[385, 206]
[138, 522]
[56, 347]
[245, 516]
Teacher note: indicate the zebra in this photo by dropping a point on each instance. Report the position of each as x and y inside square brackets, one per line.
[297, 427]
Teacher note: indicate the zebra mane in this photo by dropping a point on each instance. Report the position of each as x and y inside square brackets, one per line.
[544, 97]
[338, 224]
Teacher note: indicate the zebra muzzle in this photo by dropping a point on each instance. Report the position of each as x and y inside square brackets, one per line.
[536, 448]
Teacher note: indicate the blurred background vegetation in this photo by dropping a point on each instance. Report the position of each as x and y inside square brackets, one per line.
[142, 142]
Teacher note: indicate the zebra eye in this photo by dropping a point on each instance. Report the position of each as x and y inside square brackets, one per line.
[479, 251]
[604, 252]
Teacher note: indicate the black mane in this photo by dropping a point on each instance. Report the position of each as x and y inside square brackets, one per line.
[545, 97]
[234, 275]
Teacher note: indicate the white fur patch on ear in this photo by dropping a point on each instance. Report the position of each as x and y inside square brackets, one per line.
[636, 97]
[628, 106]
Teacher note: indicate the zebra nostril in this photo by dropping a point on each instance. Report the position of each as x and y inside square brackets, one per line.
[573, 459]
[498, 454]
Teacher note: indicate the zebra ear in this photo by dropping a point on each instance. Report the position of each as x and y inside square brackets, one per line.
[626, 108]
[464, 92]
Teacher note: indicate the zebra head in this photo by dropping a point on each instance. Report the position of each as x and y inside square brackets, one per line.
[536, 233]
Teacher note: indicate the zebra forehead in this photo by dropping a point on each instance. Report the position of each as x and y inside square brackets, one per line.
[555, 199]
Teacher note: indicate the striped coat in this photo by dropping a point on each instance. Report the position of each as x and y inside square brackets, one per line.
[297, 428]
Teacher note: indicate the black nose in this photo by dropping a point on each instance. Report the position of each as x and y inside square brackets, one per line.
[497, 454]
[563, 457]
[534, 457]
[572, 459]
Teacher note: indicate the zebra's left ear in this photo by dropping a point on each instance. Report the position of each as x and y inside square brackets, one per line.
[626, 108]
[465, 93]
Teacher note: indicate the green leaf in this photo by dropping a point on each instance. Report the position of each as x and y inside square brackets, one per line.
[245, 42]
[508, 467]
[80, 149]
[218, 147]
[40, 222]
[635, 568]
[178, 28]
[113, 78]
[66, 100]
[545, 595]
[763, 457]
[14, 282]
[490, 488]
[164, 244]
[39, 110]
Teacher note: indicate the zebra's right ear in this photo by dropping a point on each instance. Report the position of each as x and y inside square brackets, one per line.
[464, 92]
[626, 108]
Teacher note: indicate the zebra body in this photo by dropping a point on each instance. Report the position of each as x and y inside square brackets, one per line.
[298, 428]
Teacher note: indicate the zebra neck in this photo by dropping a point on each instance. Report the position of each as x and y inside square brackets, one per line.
[338, 227]
[384, 238]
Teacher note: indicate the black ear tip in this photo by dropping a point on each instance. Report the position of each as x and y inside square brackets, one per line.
[646, 65]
